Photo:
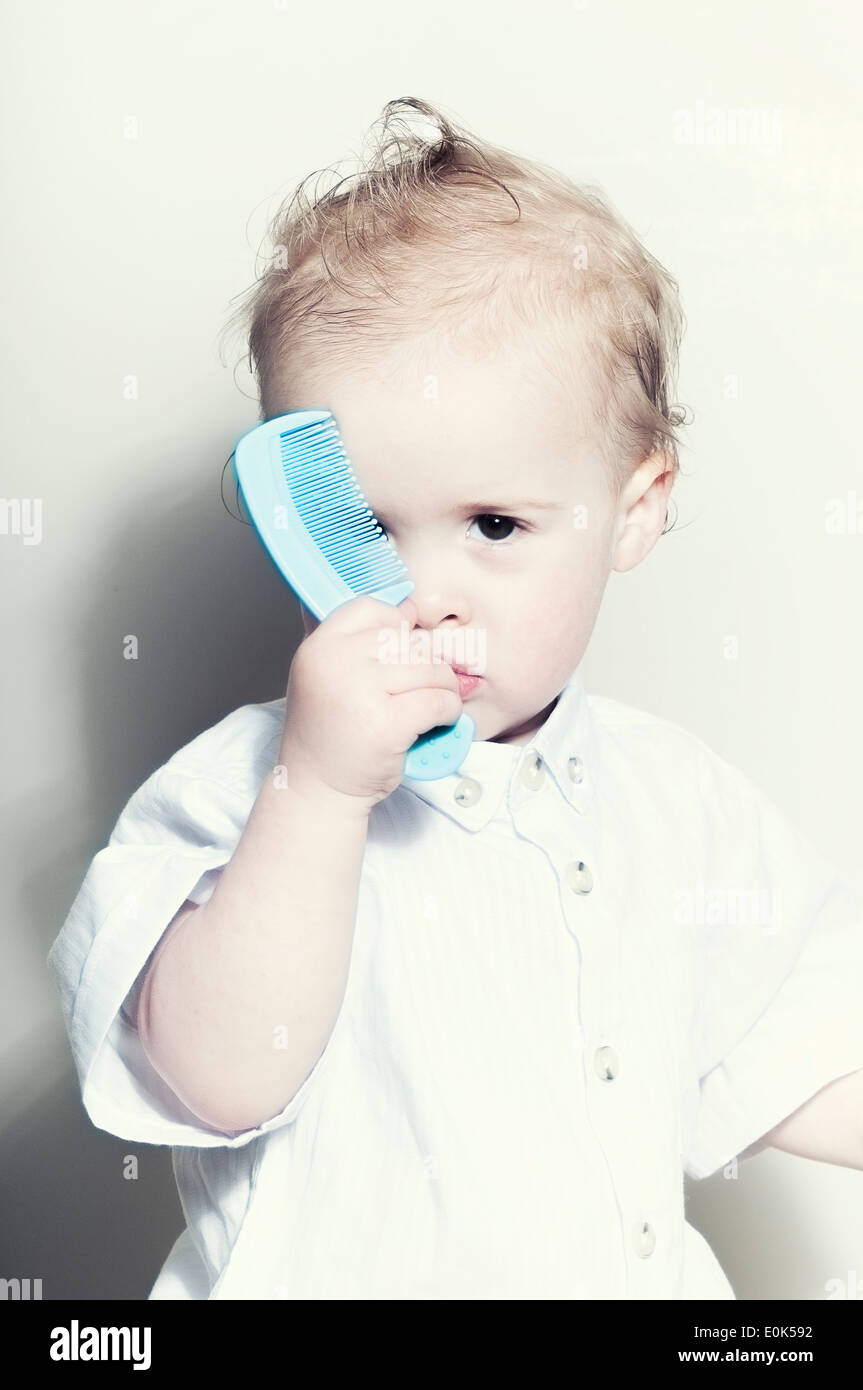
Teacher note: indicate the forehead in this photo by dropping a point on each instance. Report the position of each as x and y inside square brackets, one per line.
[424, 425]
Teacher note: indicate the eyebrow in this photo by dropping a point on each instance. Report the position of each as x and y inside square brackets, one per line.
[494, 508]
[524, 505]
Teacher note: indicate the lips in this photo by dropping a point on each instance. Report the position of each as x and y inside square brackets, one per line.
[467, 685]
[465, 671]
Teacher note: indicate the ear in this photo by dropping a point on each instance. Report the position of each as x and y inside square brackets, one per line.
[642, 510]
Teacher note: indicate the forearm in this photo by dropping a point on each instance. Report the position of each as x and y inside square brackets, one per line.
[827, 1128]
[242, 994]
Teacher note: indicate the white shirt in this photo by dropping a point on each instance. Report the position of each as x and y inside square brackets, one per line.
[580, 969]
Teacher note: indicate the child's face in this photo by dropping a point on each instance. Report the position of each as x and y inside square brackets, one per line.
[441, 446]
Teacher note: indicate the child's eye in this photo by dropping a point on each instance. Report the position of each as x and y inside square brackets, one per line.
[496, 539]
[499, 520]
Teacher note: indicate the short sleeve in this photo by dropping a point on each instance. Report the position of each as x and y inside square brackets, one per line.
[777, 943]
[169, 846]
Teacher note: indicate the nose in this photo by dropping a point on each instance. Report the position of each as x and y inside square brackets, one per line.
[443, 610]
[439, 593]
[439, 604]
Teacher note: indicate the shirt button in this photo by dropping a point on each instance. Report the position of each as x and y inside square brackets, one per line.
[533, 772]
[579, 877]
[643, 1239]
[468, 792]
[575, 768]
[605, 1063]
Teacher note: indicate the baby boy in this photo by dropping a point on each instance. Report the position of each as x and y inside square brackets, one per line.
[463, 1038]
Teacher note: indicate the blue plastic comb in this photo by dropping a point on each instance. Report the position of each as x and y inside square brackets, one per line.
[328, 544]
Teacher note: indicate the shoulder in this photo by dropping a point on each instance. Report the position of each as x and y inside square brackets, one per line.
[208, 786]
[237, 751]
[660, 776]
[643, 742]
[646, 761]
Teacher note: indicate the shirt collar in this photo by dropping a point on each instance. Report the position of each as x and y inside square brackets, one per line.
[565, 747]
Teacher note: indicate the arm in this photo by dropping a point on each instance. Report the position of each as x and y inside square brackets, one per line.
[267, 955]
[828, 1128]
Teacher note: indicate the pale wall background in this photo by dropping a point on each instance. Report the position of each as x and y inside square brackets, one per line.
[120, 256]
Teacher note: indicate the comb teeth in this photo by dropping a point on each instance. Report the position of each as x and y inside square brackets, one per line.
[333, 509]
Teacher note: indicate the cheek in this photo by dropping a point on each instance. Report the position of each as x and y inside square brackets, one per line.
[564, 584]
[552, 607]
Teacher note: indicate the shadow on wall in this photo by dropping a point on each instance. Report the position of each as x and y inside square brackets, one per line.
[750, 1223]
[70, 1217]
[217, 627]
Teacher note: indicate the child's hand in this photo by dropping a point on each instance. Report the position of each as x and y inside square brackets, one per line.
[350, 716]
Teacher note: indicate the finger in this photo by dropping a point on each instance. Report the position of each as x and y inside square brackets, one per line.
[403, 676]
[446, 709]
[363, 612]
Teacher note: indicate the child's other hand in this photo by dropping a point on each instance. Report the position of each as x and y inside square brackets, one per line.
[351, 715]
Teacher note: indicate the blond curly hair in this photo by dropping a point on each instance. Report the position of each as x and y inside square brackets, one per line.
[448, 236]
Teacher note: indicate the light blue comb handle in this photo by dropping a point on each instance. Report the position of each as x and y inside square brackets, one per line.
[307, 507]
[440, 751]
